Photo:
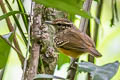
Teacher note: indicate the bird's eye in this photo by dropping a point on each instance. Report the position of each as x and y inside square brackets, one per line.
[59, 24]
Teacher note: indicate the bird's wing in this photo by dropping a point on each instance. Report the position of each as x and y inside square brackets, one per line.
[72, 39]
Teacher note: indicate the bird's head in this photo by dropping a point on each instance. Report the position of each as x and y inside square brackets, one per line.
[60, 24]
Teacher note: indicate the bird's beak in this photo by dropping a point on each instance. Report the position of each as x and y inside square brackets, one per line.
[48, 22]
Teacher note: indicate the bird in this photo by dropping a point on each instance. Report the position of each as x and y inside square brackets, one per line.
[70, 40]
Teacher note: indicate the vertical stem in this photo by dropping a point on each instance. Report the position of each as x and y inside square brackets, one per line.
[83, 27]
[42, 59]
[33, 65]
[91, 58]
[11, 28]
[29, 39]
[84, 21]
[98, 16]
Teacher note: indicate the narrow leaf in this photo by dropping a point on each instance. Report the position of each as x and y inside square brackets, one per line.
[9, 14]
[47, 76]
[22, 9]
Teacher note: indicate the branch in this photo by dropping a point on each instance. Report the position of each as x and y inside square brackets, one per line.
[84, 21]
[33, 65]
[42, 57]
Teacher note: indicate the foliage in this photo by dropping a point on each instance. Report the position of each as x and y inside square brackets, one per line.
[5, 48]
[62, 59]
[105, 72]
[70, 6]
[9, 14]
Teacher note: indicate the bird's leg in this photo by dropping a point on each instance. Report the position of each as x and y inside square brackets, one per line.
[72, 69]
[72, 62]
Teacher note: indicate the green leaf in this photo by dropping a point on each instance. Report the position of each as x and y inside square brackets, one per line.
[47, 76]
[62, 59]
[96, 0]
[24, 17]
[4, 48]
[70, 6]
[105, 72]
[9, 14]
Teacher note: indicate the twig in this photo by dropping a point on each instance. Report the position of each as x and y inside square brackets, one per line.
[28, 45]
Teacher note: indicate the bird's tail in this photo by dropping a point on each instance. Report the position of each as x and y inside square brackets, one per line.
[94, 52]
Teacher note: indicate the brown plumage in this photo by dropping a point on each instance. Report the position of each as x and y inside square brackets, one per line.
[71, 41]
